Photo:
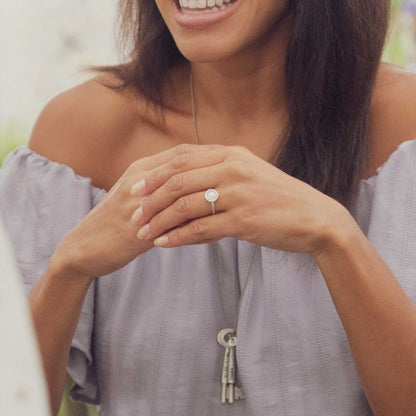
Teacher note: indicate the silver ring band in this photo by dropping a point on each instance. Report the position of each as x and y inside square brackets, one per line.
[211, 195]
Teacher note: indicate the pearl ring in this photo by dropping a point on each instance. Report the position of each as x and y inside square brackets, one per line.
[211, 195]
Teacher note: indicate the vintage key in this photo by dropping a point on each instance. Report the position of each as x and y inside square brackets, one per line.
[231, 342]
[239, 393]
[224, 375]
[222, 339]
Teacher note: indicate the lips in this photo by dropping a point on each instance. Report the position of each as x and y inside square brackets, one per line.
[198, 20]
[214, 6]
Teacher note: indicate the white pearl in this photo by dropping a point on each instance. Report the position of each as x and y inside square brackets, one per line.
[211, 195]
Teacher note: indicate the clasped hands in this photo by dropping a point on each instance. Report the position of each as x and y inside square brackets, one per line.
[163, 194]
[257, 202]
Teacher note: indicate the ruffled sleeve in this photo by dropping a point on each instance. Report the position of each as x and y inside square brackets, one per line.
[392, 223]
[40, 201]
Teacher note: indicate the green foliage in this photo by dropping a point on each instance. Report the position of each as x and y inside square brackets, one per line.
[394, 50]
[71, 408]
[11, 136]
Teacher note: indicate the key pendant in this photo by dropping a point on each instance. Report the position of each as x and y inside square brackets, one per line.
[227, 338]
[232, 342]
[221, 338]
[224, 376]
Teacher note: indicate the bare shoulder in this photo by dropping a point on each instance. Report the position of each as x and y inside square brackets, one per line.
[393, 111]
[85, 126]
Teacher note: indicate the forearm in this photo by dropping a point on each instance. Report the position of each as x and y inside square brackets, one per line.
[56, 301]
[378, 317]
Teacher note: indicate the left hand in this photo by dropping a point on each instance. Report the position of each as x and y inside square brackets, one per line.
[257, 202]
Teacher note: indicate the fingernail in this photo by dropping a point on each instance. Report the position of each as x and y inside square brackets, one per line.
[161, 241]
[143, 231]
[137, 215]
[137, 188]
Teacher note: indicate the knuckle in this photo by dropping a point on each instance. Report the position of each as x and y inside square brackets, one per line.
[174, 236]
[181, 160]
[184, 204]
[237, 169]
[122, 188]
[154, 223]
[214, 146]
[134, 169]
[198, 229]
[124, 183]
[175, 183]
[146, 204]
[154, 176]
[134, 165]
[243, 229]
[183, 148]
[131, 168]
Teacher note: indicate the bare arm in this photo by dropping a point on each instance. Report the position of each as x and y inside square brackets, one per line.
[72, 127]
[378, 317]
[55, 302]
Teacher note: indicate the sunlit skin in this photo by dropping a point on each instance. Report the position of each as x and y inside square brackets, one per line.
[258, 202]
[241, 56]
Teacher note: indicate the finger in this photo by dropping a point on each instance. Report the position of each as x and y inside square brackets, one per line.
[186, 208]
[153, 161]
[198, 231]
[180, 163]
[180, 185]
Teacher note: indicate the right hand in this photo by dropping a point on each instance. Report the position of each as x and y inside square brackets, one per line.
[106, 240]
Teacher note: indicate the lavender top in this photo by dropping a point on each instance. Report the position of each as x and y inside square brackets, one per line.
[146, 340]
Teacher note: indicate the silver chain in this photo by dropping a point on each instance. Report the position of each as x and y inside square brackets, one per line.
[241, 394]
[191, 83]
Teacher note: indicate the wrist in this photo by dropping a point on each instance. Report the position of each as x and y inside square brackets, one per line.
[338, 233]
[62, 267]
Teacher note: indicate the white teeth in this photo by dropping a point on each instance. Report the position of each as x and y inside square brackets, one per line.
[199, 6]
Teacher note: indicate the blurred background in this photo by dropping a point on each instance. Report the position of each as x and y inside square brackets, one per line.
[46, 43]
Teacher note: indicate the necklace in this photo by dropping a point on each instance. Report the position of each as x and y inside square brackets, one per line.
[227, 337]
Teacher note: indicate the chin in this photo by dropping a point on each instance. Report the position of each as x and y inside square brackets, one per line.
[210, 36]
[206, 53]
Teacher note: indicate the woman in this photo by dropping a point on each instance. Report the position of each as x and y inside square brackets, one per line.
[309, 142]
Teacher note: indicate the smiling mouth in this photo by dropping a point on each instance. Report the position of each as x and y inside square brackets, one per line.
[202, 6]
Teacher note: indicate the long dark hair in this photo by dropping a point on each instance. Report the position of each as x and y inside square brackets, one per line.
[332, 59]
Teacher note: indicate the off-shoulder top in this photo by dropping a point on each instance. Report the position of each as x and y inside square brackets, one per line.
[146, 342]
